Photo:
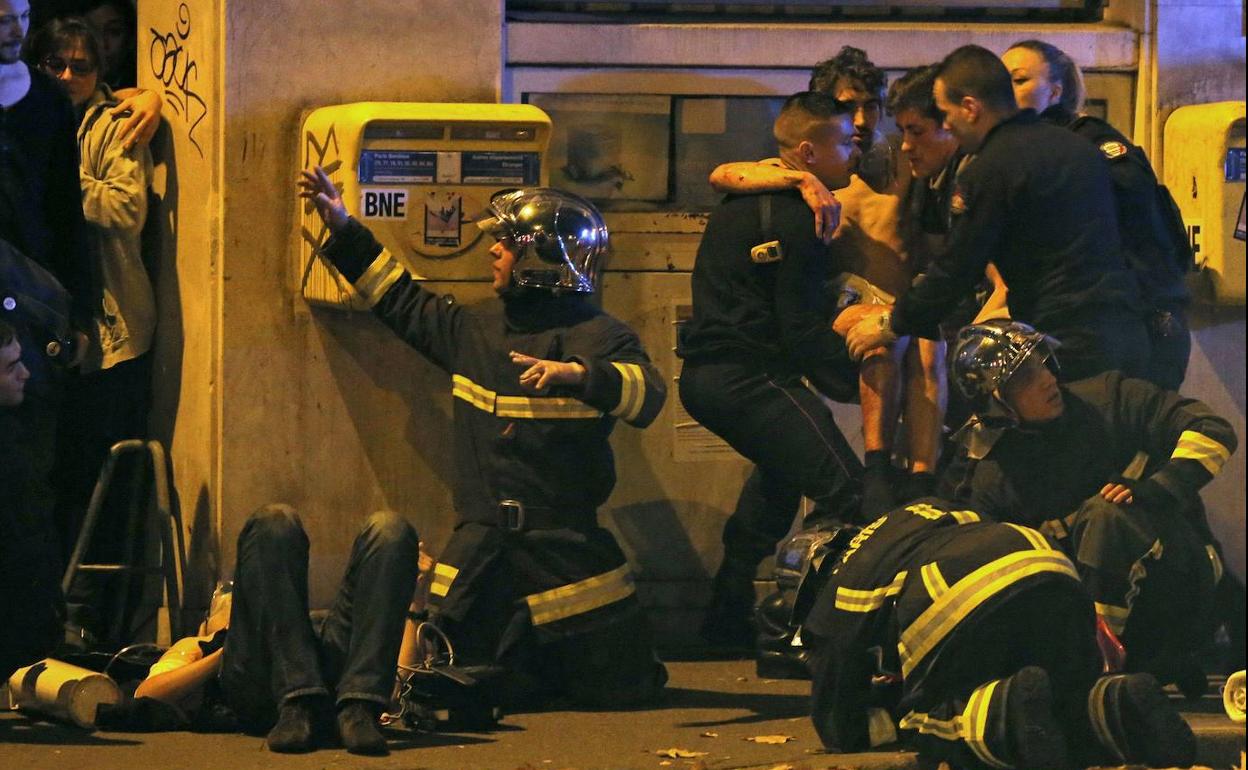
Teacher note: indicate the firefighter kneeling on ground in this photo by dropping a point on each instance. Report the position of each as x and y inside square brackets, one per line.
[975, 642]
[539, 376]
[1111, 467]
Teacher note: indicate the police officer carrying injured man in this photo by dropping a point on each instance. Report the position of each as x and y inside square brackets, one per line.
[1036, 201]
[760, 324]
[539, 377]
[974, 642]
[1112, 468]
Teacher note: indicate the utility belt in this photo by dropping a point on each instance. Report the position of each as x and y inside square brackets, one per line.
[521, 517]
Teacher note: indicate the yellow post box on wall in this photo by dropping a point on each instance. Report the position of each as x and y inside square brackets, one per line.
[1204, 169]
[416, 174]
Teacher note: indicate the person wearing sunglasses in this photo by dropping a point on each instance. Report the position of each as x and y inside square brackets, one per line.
[107, 398]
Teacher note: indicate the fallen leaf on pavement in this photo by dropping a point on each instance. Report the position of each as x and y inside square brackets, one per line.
[709, 734]
[771, 738]
[680, 753]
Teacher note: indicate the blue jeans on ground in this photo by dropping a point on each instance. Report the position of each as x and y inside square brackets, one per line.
[272, 650]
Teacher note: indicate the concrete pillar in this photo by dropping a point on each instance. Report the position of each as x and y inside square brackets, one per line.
[261, 399]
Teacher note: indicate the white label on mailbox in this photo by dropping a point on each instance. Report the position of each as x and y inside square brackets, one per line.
[383, 203]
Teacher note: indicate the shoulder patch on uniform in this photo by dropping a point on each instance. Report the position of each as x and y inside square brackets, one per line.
[1113, 149]
[957, 201]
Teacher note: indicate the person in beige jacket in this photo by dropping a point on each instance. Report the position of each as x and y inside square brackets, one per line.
[107, 398]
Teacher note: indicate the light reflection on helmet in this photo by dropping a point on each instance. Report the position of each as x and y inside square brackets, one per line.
[559, 239]
[986, 355]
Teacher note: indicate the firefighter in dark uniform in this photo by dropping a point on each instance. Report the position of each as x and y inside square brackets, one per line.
[1154, 241]
[1110, 466]
[539, 377]
[1038, 203]
[761, 322]
[975, 642]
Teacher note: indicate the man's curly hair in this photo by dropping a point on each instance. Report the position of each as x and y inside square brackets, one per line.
[851, 63]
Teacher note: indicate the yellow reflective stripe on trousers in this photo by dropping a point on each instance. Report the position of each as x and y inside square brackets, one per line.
[580, 597]
[520, 407]
[933, 581]
[970, 726]
[378, 277]
[632, 391]
[860, 600]
[443, 576]
[1098, 717]
[975, 720]
[1202, 449]
[938, 620]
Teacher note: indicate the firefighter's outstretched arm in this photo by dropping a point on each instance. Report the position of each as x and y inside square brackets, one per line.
[424, 320]
[619, 378]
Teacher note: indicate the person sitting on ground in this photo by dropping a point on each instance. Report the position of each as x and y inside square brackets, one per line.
[273, 668]
[975, 643]
[1112, 468]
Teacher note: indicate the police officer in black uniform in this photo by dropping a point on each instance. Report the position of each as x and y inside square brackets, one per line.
[539, 377]
[1154, 241]
[1038, 203]
[760, 324]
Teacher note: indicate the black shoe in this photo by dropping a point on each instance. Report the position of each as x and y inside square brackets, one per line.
[357, 725]
[1034, 737]
[1134, 721]
[293, 733]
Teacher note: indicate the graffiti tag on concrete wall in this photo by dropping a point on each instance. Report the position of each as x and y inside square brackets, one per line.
[178, 71]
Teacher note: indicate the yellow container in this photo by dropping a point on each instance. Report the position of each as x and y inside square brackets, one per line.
[416, 174]
[1204, 169]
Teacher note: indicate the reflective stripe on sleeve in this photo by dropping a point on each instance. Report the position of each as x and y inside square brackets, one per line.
[443, 576]
[580, 597]
[378, 278]
[1202, 449]
[632, 391]
[1037, 540]
[521, 407]
[867, 600]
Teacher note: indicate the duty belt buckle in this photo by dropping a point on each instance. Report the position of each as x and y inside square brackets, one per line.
[512, 512]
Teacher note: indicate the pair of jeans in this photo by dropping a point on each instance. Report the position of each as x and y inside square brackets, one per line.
[273, 652]
[789, 434]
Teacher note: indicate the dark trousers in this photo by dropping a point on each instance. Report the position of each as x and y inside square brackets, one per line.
[1102, 341]
[101, 408]
[1171, 341]
[1049, 625]
[272, 651]
[789, 434]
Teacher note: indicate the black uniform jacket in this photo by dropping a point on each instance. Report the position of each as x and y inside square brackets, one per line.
[1037, 201]
[548, 450]
[902, 588]
[1032, 475]
[771, 314]
[1150, 244]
